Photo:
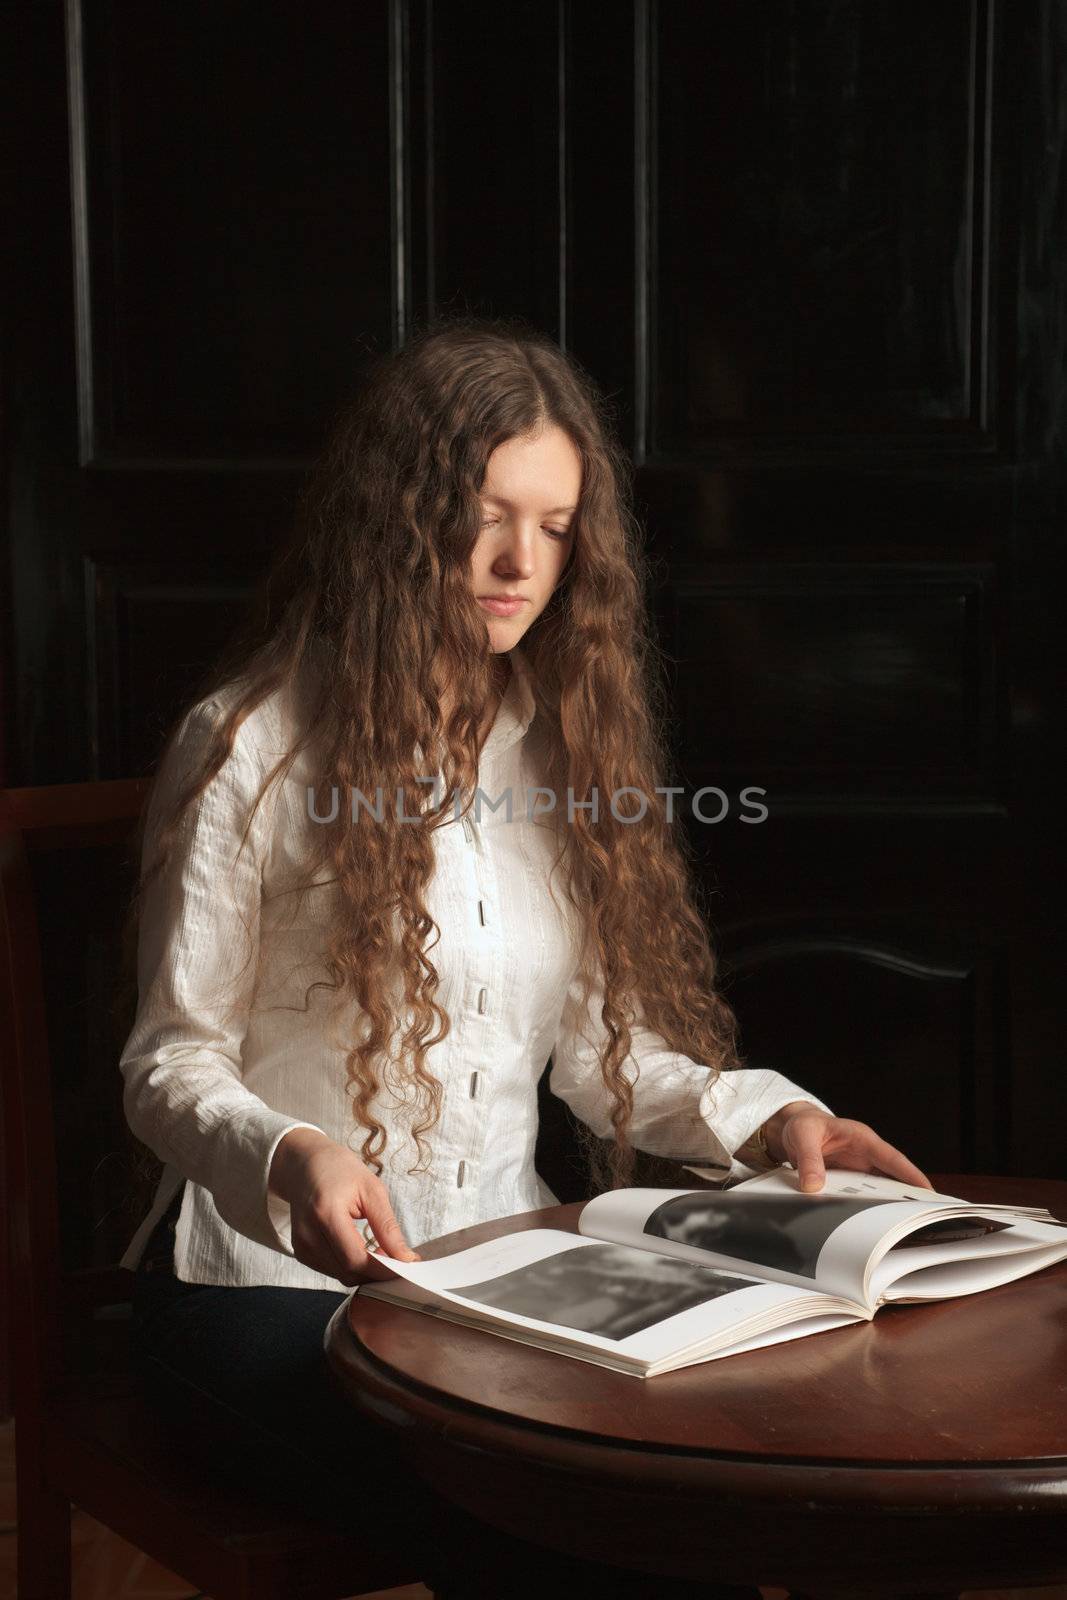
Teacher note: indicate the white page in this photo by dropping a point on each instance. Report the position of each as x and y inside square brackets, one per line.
[799, 1330]
[772, 1232]
[628, 1364]
[881, 1242]
[620, 1303]
[840, 1181]
[766, 1226]
[936, 1272]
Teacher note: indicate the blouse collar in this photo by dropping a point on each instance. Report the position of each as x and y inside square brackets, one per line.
[516, 709]
[513, 715]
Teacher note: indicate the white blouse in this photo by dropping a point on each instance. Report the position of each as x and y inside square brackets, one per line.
[224, 1059]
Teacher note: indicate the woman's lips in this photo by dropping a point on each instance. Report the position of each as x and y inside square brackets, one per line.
[501, 608]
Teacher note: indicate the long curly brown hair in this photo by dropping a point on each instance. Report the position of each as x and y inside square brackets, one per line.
[374, 579]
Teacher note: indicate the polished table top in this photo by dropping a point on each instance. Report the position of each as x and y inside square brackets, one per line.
[960, 1404]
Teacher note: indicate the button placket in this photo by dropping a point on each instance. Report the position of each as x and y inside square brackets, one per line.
[467, 1172]
[484, 877]
[475, 1104]
[471, 834]
[477, 1107]
[483, 1006]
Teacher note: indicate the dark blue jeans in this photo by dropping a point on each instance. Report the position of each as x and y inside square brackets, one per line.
[247, 1365]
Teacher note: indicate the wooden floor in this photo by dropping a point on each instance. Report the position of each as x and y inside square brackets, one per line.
[107, 1568]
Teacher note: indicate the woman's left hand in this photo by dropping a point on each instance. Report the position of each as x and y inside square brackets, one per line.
[812, 1140]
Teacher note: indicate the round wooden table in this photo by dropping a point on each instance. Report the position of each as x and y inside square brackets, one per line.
[922, 1453]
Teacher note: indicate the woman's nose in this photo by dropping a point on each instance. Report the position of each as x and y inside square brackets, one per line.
[518, 553]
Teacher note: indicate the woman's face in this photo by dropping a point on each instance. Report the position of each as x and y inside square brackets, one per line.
[529, 496]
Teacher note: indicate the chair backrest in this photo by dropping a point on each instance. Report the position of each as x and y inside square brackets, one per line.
[47, 836]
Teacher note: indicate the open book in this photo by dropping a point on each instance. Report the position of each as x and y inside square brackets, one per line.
[657, 1279]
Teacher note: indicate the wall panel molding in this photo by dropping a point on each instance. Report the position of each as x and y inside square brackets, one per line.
[826, 228]
[836, 687]
[140, 617]
[230, 279]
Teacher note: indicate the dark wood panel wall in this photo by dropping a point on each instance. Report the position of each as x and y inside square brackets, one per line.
[813, 254]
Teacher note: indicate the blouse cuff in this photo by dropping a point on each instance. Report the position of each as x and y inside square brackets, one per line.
[242, 1168]
[738, 1102]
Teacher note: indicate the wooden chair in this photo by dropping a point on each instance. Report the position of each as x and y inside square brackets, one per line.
[83, 1435]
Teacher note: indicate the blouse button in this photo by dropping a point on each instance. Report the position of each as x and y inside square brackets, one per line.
[482, 993]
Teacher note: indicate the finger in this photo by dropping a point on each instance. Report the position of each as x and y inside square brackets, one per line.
[391, 1241]
[374, 1271]
[895, 1164]
[350, 1262]
[354, 1255]
[807, 1140]
[375, 1248]
[314, 1246]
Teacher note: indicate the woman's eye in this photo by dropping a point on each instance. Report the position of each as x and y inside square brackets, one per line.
[556, 533]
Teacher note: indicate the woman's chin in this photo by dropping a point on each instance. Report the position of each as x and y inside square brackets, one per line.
[504, 632]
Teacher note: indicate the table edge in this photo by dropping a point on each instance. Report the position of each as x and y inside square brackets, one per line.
[484, 1429]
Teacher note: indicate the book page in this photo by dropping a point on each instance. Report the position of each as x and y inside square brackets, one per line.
[767, 1226]
[577, 1293]
[941, 1272]
[841, 1181]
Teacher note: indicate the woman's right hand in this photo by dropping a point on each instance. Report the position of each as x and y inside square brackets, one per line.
[329, 1190]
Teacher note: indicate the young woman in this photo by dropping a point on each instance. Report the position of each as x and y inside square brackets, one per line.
[352, 969]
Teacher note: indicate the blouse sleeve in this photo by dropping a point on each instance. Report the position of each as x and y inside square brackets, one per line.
[677, 1111]
[197, 959]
